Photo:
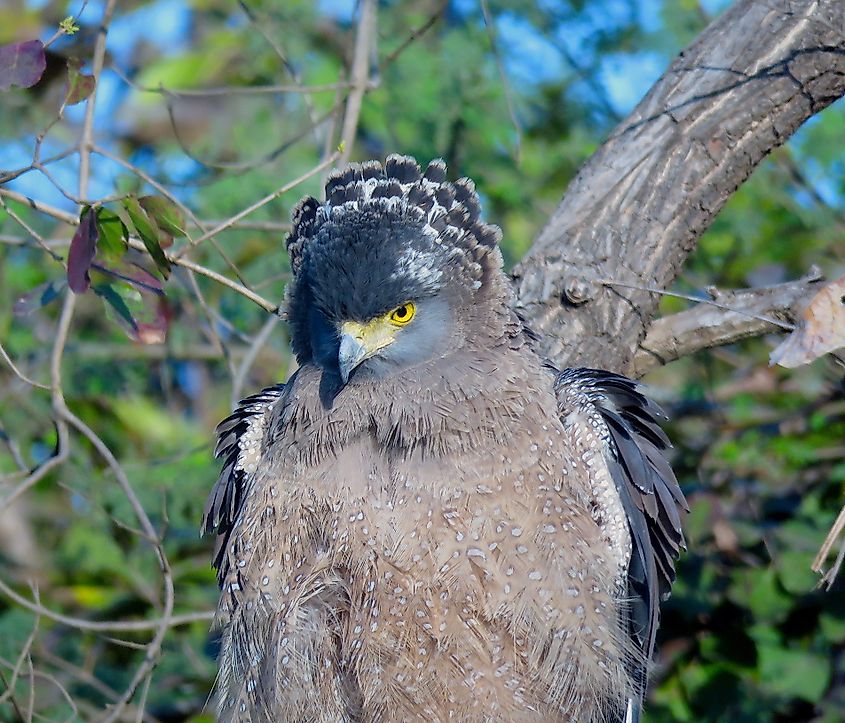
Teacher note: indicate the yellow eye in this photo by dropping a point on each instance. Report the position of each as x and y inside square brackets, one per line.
[403, 313]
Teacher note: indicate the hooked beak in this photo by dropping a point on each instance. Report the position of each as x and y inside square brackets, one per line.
[359, 342]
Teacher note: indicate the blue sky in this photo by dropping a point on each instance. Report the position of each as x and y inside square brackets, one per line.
[530, 58]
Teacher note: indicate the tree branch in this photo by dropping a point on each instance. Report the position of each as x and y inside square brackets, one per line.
[706, 326]
[365, 40]
[636, 209]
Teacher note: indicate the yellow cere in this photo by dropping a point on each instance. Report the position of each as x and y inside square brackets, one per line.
[403, 314]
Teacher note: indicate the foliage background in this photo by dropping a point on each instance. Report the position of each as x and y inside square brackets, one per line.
[517, 102]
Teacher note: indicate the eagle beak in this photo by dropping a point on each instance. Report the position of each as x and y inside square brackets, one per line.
[359, 342]
[352, 353]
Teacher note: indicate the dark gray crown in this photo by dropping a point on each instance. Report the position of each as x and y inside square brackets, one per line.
[450, 212]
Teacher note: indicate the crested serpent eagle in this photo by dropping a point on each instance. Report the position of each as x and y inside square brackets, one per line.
[428, 521]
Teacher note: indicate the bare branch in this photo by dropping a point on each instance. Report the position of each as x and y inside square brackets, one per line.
[833, 535]
[91, 680]
[636, 209]
[739, 315]
[365, 43]
[219, 278]
[31, 231]
[249, 358]
[44, 208]
[63, 440]
[506, 88]
[288, 66]
[23, 657]
[18, 372]
[415, 34]
[86, 141]
[104, 625]
[229, 223]
[229, 90]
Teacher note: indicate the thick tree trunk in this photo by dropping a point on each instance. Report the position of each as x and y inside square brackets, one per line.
[636, 209]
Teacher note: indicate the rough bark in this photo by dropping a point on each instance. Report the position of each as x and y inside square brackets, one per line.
[636, 209]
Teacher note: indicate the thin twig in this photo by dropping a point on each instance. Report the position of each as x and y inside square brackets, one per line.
[86, 140]
[212, 322]
[31, 231]
[41, 471]
[269, 226]
[249, 359]
[7, 176]
[12, 699]
[240, 167]
[415, 34]
[24, 654]
[90, 680]
[228, 223]
[289, 67]
[219, 278]
[62, 436]
[506, 88]
[833, 535]
[365, 40]
[229, 90]
[104, 625]
[700, 300]
[18, 372]
[44, 208]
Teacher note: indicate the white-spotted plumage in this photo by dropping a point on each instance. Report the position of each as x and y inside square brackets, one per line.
[470, 537]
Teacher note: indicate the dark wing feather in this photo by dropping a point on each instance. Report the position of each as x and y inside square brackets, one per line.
[648, 490]
[239, 439]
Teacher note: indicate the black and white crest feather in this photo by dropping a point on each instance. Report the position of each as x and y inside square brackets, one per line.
[449, 212]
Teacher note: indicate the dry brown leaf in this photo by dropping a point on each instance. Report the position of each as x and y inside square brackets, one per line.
[822, 329]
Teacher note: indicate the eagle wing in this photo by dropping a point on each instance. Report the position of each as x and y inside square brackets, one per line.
[608, 409]
[240, 440]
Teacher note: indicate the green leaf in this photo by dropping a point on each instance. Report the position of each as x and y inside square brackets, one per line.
[757, 589]
[68, 26]
[794, 673]
[92, 550]
[794, 571]
[149, 233]
[166, 214]
[113, 235]
[832, 627]
[115, 303]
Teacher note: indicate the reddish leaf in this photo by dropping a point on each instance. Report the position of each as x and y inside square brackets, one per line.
[83, 246]
[821, 330]
[134, 275]
[155, 332]
[40, 296]
[142, 321]
[79, 85]
[22, 64]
